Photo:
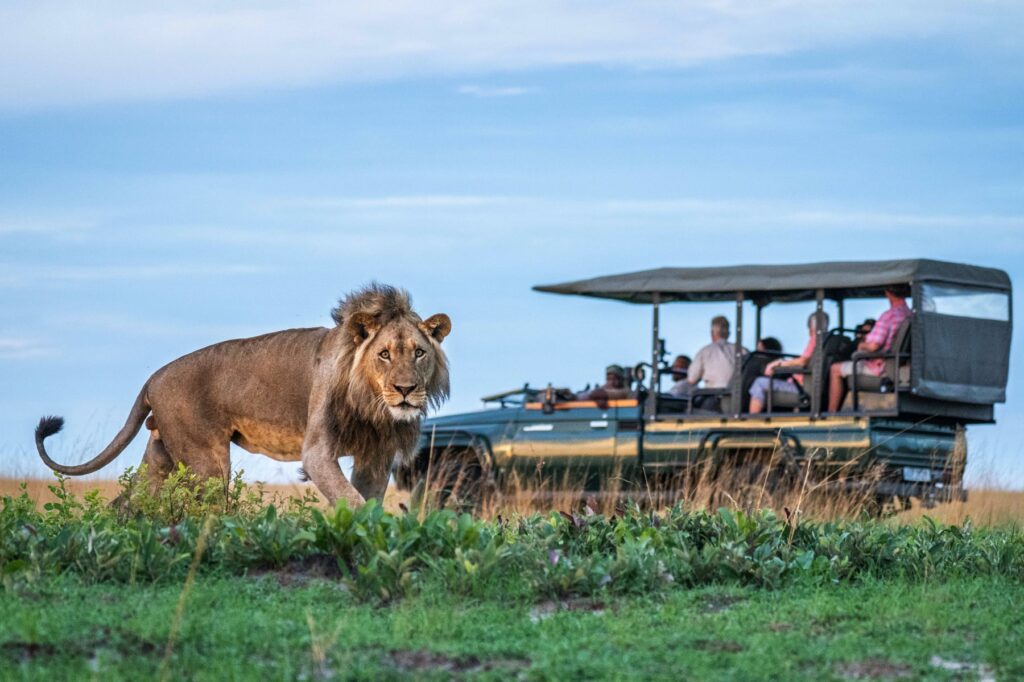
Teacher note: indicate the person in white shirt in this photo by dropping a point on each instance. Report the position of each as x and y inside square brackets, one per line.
[680, 367]
[714, 363]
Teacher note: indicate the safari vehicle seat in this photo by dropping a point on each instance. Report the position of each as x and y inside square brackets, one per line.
[835, 348]
[754, 365]
[885, 383]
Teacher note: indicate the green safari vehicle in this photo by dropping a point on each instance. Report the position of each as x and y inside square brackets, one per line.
[900, 435]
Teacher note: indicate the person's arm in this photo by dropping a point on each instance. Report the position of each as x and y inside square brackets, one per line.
[616, 393]
[799, 361]
[769, 370]
[696, 371]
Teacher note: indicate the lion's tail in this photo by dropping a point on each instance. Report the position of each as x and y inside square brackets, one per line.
[51, 425]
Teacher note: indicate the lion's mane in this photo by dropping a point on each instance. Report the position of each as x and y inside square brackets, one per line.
[363, 427]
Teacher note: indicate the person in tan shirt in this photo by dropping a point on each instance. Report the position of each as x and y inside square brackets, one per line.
[714, 363]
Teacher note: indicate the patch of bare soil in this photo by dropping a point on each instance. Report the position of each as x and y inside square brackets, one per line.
[300, 573]
[122, 643]
[717, 646]
[25, 652]
[547, 609]
[982, 672]
[873, 669]
[432, 661]
[826, 625]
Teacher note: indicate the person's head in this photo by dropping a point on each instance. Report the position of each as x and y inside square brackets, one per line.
[811, 321]
[769, 344]
[615, 376]
[679, 366]
[897, 293]
[864, 328]
[719, 328]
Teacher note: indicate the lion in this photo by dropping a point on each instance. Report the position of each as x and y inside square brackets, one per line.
[312, 395]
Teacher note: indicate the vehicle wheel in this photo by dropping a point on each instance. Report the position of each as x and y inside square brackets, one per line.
[458, 479]
[884, 506]
[758, 479]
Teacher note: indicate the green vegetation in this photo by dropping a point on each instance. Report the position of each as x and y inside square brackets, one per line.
[233, 589]
[284, 627]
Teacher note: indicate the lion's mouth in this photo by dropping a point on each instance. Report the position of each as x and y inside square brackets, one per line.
[405, 411]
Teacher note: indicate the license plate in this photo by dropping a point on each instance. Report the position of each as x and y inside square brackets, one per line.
[917, 475]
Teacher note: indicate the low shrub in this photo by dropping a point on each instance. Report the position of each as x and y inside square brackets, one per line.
[385, 556]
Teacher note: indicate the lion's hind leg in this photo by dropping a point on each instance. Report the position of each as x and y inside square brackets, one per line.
[159, 464]
[204, 450]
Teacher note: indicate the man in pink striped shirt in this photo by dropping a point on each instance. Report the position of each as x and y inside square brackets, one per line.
[880, 339]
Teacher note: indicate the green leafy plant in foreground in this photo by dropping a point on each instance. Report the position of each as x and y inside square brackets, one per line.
[383, 556]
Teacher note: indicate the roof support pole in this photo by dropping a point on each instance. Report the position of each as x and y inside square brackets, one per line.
[737, 372]
[757, 329]
[818, 367]
[842, 313]
[652, 396]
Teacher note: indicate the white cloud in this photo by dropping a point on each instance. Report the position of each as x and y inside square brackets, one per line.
[493, 91]
[22, 349]
[746, 213]
[66, 53]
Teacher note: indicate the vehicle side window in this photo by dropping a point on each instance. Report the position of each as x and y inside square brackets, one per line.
[948, 299]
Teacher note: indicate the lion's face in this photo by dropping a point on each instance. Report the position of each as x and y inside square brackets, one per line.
[402, 364]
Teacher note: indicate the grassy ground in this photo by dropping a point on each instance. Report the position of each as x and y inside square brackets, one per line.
[276, 626]
[86, 593]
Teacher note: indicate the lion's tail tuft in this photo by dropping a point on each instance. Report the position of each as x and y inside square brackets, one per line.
[48, 426]
[51, 425]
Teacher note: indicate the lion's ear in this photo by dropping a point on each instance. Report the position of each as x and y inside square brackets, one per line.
[437, 326]
[361, 325]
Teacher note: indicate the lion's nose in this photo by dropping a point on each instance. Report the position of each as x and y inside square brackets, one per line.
[405, 390]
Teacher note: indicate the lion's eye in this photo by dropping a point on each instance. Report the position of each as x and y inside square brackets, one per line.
[384, 355]
[420, 352]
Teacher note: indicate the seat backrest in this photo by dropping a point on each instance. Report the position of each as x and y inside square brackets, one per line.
[900, 346]
[754, 365]
[835, 348]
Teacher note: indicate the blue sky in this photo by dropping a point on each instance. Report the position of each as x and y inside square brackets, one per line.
[172, 178]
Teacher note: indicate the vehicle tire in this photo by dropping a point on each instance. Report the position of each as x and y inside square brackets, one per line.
[459, 479]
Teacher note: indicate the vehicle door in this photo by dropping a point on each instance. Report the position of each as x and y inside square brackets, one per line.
[570, 446]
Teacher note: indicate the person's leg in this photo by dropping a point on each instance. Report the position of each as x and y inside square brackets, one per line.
[836, 385]
[757, 394]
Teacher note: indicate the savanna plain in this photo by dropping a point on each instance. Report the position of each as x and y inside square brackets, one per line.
[203, 582]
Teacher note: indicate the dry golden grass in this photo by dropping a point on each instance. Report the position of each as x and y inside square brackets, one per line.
[985, 506]
[38, 490]
[802, 494]
[791, 490]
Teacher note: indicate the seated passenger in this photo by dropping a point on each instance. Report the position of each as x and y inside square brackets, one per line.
[769, 344]
[863, 329]
[759, 389]
[614, 386]
[715, 362]
[879, 339]
[680, 367]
